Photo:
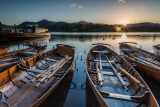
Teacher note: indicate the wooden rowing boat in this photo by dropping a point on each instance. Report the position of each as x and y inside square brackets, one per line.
[114, 81]
[59, 95]
[4, 49]
[156, 49]
[10, 59]
[146, 61]
[31, 82]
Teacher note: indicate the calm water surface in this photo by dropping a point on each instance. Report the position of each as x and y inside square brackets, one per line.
[80, 96]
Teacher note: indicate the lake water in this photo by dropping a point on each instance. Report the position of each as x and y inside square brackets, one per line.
[81, 96]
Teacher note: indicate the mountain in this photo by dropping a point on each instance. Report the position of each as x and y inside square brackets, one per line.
[22, 25]
[143, 24]
[89, 26]
[45, 23]
[82, 22]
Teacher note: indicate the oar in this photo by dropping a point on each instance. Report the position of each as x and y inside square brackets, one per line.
[47, 77]
[145, 62]
[52, 69]
[99, 75]
[149, 60]
[48, 70]
[118, 75]
[130, 76]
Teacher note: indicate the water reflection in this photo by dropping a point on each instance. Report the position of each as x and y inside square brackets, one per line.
[34, 41]
[78, 96]
[123, 38]
[91, 100]
[24, 43]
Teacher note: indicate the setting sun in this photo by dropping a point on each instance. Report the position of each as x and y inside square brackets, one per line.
[124, 22]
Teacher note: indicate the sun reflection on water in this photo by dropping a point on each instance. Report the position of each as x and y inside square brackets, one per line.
[123, 38]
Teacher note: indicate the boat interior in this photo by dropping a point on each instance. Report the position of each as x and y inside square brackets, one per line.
[115, 79]
[157, 46]
[4, 49]
[140, 55]
[11, 58]
[33, 79]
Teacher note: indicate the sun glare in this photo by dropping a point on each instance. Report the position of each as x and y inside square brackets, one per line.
[124, 22]
[123, 38]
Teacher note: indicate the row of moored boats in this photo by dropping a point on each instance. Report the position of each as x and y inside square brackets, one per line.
[29, 76]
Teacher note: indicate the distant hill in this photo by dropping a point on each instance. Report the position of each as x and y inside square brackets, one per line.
[22, 25]
[82, 22]
[84, 26]
[45, 23]
[143, 24]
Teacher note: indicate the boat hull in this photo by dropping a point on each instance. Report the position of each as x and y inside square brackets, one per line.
[156, 50]
[4, 35]
[49, 92]
[154, 73]
[30, 93]
[97, 94]
[145, 68]
[110, 81]
[4, 50]
[10, 55]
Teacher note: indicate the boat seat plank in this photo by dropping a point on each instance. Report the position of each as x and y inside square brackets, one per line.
[52, 60]
[26, 53]
[137, 99]
[101, 52]
[103, 61]
[35, 70]
[108, 73]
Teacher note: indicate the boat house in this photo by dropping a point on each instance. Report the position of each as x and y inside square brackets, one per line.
[34, 29]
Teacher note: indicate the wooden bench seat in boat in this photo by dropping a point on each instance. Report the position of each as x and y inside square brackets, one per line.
[101, 52]
[103, 61]
[9, 59]
[52, 60]
[30, 69]
[108, 73]
[25, 54]
[138, 99]
[35, 70]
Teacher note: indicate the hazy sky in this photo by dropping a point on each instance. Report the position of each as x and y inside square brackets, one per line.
[96, 11]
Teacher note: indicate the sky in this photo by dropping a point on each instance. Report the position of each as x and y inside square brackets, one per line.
[95, 11]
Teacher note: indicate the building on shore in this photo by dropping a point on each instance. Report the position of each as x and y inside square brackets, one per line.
[27, 29]
[34, 29]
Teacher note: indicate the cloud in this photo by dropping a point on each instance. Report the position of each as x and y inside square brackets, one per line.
[73, 5]
[121, 1]
[79, 6]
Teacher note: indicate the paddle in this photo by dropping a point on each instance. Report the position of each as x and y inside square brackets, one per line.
[118, 75]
